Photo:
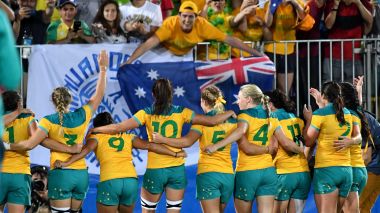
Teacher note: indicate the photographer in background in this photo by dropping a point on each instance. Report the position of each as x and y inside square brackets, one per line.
[67, 30]
[30, 25]
[39, 192]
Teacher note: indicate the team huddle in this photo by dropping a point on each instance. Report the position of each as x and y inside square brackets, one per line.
[274, 147]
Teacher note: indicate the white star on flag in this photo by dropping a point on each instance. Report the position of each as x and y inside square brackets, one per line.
[235, 102]
[179, 91]
[140, 92]
[152, 74]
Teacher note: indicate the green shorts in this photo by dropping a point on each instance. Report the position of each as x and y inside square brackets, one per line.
[359, 179]
[67, 183]
[211, 185]
[15, 189]
[120, 191]
[156, 180]
[293, 186]
[253, 183]
[327, 179]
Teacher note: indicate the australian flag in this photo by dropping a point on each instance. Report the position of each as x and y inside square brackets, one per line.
[188, 78]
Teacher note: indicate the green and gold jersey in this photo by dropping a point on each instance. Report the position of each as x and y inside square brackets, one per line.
[17, 131]
[356, 150]
[324, 121]
[114, 153]
[74, 126]
[292, 127]
[220, 161]
[260, 129]
[168, 125]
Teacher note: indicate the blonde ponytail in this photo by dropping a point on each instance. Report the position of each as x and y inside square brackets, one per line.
[213, 96]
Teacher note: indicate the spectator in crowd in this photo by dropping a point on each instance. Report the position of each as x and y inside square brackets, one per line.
[7, 10]
[10, 71]
[166, 7]
[214, 12]
[253, 28]
[281, 17]
[200, 4]
[41, 5]
[181, 33]
[30, 25]
[87, 9]
[40, 200]
[345, 19]
[67, 30]
[310, 63]
[141, 18]
[106, 25]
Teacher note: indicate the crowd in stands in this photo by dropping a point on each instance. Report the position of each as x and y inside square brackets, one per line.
[123, 21]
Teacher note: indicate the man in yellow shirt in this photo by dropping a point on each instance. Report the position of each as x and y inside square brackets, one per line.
[181, 33]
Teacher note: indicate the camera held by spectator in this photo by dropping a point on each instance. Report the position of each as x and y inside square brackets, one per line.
[39, 192]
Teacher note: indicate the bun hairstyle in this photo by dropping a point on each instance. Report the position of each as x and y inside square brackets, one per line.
[61, 98]
[213, 97]
[280, 101]
[163, 95]
[332, 92]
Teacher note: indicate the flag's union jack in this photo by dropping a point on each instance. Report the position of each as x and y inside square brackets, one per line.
[237, 68]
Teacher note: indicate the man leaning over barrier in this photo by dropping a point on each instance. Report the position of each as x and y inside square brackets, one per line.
[181, 33]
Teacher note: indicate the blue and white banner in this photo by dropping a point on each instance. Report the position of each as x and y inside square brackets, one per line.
[76, 67]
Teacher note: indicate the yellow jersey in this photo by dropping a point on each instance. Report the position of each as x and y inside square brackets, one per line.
[324, 121]
[220, 161]
[260, 129]
[17, 131]
[283, 28]
[74, 126]
[178, 42]
[292, 127]
[356, 150]
[114, 153]
[254, 32]
[168, 125]
[222, 22]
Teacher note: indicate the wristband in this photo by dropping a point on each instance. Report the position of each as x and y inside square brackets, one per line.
[7, 146]
[334, 9]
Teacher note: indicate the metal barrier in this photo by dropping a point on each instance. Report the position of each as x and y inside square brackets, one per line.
[368, 53]
[364, 59]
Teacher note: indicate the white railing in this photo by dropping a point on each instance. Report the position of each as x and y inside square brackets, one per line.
[369, 54]
[369, 58]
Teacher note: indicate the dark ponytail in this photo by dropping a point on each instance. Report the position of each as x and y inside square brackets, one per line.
[280, 101]
[163, 95]
[351, 101]
[331, 91]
